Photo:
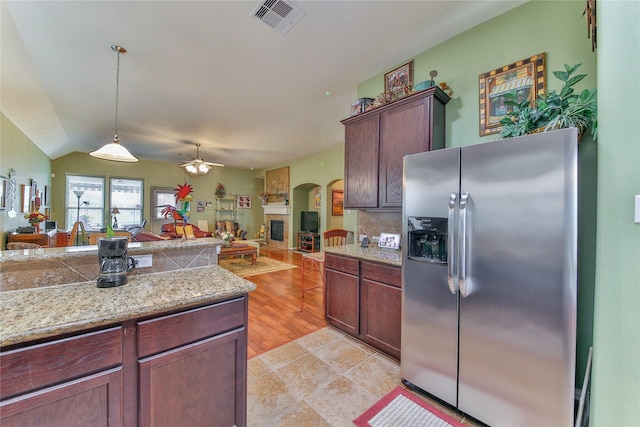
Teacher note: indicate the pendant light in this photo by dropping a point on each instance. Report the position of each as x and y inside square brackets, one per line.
[113, 150]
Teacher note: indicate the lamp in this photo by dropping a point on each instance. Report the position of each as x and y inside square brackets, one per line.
[114, 212]
[113, 150]
[78, 194]
[199, 166]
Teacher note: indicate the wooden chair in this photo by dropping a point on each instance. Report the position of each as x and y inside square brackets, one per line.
[93, 237]
[335, 237]
[72, 238]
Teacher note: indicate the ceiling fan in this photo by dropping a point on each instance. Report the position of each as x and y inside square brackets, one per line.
[199, 166]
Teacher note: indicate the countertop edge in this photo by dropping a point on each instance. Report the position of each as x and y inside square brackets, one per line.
[60, 310]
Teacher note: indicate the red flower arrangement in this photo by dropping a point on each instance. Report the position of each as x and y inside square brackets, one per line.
[36, 217]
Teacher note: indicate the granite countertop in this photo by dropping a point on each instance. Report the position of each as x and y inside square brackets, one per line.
[26, 255]
[372, 253]
[36, 313]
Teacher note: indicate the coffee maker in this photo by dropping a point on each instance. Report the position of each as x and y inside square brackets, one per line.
[114, 262]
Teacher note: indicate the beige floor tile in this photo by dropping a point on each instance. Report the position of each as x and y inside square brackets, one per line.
[307, 374]
[341, 401]
[283, 355]
[375, 375]
[318, 339]
[341, 355]
[301, 415]
[256, 368]
[267, 397]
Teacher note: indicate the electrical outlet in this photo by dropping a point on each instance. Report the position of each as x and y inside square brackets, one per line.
[143, 261]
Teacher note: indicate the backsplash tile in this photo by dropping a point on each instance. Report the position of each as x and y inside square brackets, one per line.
[372, 223]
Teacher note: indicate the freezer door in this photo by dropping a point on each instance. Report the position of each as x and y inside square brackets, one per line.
[518, 320]
[429, 308]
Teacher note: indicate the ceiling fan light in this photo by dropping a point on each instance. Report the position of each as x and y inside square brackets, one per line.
[203, 168]
[115, 152]
[191, 169]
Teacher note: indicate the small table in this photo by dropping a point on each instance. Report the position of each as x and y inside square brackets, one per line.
[239, 249]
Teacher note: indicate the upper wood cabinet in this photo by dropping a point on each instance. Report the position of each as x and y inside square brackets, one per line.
[376, 142]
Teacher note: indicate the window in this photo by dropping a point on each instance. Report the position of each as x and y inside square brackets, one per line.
[127, 196]
[161, 197]
[85, 201]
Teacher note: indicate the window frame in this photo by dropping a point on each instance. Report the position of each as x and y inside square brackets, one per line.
[125, 209]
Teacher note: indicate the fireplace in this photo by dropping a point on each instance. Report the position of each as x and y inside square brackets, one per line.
[277, 231]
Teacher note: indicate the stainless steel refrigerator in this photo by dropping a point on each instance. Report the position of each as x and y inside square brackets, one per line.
[489, 278]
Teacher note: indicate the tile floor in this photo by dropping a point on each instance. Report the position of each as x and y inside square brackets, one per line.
[323, 379]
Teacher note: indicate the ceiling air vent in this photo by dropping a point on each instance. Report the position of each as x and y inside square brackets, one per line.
[278, 14]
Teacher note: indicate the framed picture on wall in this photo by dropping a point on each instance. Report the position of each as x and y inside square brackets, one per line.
[3, 193]
[526, 77]
[317, 198]
[337, 202]
[243, 202]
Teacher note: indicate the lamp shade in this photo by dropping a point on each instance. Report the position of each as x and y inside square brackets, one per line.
[115, 152]
[115, 211]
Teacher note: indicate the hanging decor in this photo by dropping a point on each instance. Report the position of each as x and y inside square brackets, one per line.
[113, 150]
[183, 195]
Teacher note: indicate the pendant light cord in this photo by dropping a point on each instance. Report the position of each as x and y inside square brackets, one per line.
[117, 92]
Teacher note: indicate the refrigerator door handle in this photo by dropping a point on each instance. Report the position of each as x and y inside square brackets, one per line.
[451, 259]
[464, 285]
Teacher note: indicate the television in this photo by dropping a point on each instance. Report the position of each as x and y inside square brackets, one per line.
[309, 221]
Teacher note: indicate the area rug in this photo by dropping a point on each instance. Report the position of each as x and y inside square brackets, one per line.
[243, 268]
[401, 408]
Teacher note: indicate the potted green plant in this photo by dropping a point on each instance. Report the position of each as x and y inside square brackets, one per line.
[554, 110]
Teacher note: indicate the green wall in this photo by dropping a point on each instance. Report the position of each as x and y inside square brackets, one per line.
[616, 362]
[18, 152]
[609, 170]
[161, 174]
[321, 169]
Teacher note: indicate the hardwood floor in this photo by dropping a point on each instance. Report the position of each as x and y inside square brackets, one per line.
[275, 317]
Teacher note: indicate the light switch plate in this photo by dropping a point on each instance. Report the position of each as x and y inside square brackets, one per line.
[637, 220]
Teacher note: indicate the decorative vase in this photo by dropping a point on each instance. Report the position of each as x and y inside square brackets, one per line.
[37, 226]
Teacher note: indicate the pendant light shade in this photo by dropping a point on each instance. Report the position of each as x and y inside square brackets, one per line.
[114, 151]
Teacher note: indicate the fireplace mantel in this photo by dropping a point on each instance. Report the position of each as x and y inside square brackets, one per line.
[276, 209]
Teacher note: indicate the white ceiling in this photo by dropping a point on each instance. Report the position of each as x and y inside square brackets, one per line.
[207, 72]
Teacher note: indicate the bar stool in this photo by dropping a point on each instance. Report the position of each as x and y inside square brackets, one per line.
[316, 259]
[333, 237]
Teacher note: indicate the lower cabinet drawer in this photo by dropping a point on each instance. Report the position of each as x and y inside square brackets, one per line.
[381, 273]
[41, 365]
[341, 263]
[178, 329]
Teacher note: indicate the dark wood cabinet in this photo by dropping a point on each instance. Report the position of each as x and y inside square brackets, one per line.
[75, 381]
[376, 142]
[94, 400]
[364, 299]
[381, 299]
[195, 385]
[361, 155]
[183, 368]
[342, 293]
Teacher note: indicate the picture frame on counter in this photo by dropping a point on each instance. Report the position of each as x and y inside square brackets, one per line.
[389, 241]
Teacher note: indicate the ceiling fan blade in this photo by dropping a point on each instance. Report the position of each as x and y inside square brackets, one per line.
[220, 165]
[186, 163]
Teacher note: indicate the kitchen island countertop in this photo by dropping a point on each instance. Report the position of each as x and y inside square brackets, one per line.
[36, 313]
